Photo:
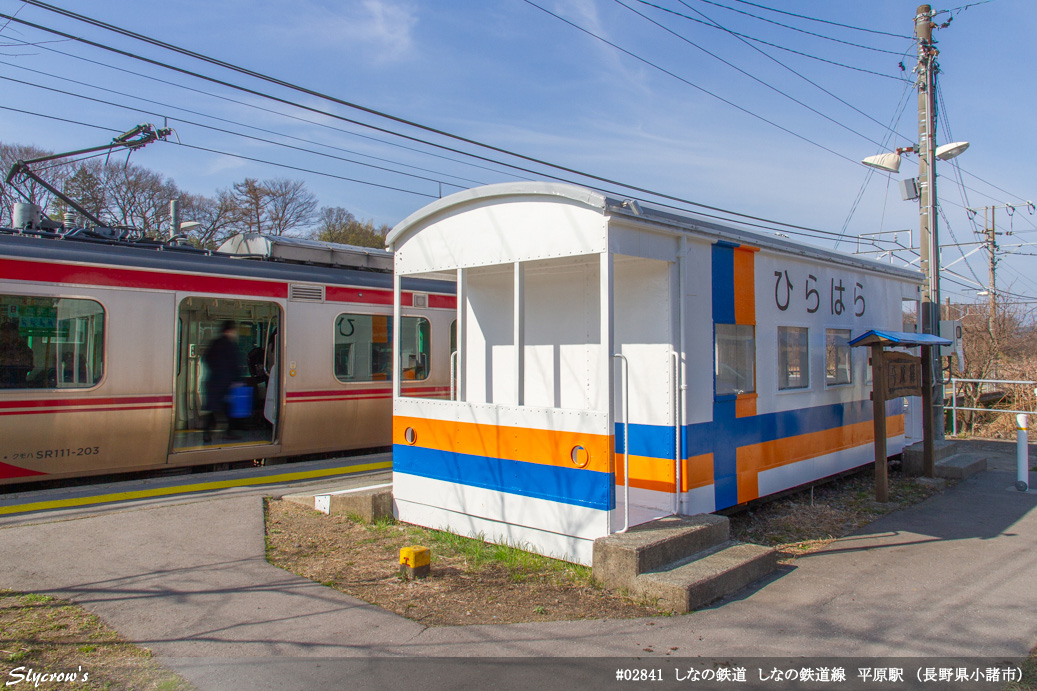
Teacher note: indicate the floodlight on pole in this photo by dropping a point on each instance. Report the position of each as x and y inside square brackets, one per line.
[949, 151]
[890, 162]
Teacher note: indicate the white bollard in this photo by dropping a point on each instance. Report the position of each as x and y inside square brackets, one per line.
[1022, 455]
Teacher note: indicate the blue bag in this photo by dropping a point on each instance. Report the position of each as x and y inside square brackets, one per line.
[239, 402]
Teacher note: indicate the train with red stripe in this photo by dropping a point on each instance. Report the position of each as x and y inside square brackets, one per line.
[103, 346]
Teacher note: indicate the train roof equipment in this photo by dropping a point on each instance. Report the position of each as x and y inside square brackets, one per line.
[617, 363]
[307, 251]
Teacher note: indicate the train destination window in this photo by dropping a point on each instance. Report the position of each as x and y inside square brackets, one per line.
[735, 359]
[50, 343]
[363, 347]
[793, 358]
[838, 368]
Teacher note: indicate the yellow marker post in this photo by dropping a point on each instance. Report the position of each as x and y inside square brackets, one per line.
[414, 562]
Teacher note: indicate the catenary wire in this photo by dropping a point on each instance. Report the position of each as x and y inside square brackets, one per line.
[659, 195]
[227, 153]
[767, 43]
[687, 82]
[796, 72]
[225, 131]
[747, 74]
[822, 21]
[802, 31]
[272, 111]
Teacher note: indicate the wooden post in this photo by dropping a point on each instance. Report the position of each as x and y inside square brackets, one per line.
[878, 402]
[928, 423]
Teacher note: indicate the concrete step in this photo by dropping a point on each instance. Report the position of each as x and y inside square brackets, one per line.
[621, 557]
[913, 456]
[961, 466]
[703, 578]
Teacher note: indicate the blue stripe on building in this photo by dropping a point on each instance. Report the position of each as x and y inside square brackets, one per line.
[574, 486]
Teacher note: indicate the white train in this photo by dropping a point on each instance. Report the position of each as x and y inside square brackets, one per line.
[101, 345]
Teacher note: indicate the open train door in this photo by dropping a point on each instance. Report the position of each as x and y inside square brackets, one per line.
[234, 400]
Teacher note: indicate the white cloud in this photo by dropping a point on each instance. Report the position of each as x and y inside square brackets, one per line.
[380, 30]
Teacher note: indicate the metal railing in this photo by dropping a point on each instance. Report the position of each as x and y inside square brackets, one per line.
[986, 384]
[626, 439]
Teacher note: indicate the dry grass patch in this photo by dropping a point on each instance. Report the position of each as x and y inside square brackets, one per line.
[809, 520]
[472, 582]
[44, 642]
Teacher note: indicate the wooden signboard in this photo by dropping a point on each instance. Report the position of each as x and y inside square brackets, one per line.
[903, 374]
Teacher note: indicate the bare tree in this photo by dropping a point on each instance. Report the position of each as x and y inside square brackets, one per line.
[277, 206]
[289, 205]
[26, 190]
[138, 197]
[215, 214]
[998, 348]
[249, 199]
[336, 224]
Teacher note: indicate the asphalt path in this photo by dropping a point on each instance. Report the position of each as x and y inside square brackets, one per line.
[186, 576]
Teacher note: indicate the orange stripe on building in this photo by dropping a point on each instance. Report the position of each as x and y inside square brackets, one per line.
[745, 405]
[545, 447]
[754, 459]
[697, 471]
[656, 474]
[745, 285]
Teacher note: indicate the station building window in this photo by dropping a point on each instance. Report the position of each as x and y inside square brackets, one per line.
[50, 343]
[793, 358]
[363, 347]
[735, 359]
[838, 363]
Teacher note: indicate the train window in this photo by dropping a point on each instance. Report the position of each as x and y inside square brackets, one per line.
[838, 368]
[50, 343]
[793, 358]
[363, 347]
[735, 359]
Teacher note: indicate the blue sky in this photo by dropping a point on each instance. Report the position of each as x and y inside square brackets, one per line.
[509, 74]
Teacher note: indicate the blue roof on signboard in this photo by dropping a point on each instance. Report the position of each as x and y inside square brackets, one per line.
[903, 339]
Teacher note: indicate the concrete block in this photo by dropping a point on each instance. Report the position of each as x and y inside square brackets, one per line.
[961, 466]
[701, 579]
[913, 456]
[620, 557]
[369, 504]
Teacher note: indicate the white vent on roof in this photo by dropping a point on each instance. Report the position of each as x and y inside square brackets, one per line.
[420, 300]
[303, 293]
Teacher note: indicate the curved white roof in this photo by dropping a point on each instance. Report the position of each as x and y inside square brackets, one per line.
[638, 216]
[575, 193]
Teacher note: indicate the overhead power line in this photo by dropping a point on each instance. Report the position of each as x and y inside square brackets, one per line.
[219, 129]
[222, 153]
[747, 74]
[766, 43]
[823, 21]
[689, 83]
[797, 73]
[260, 108]
[589, 176]
[802, 31]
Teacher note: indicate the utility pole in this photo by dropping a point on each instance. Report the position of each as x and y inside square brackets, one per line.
[991, 233]
[929, 244]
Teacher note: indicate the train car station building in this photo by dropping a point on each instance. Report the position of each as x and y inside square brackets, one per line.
[615, 363]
